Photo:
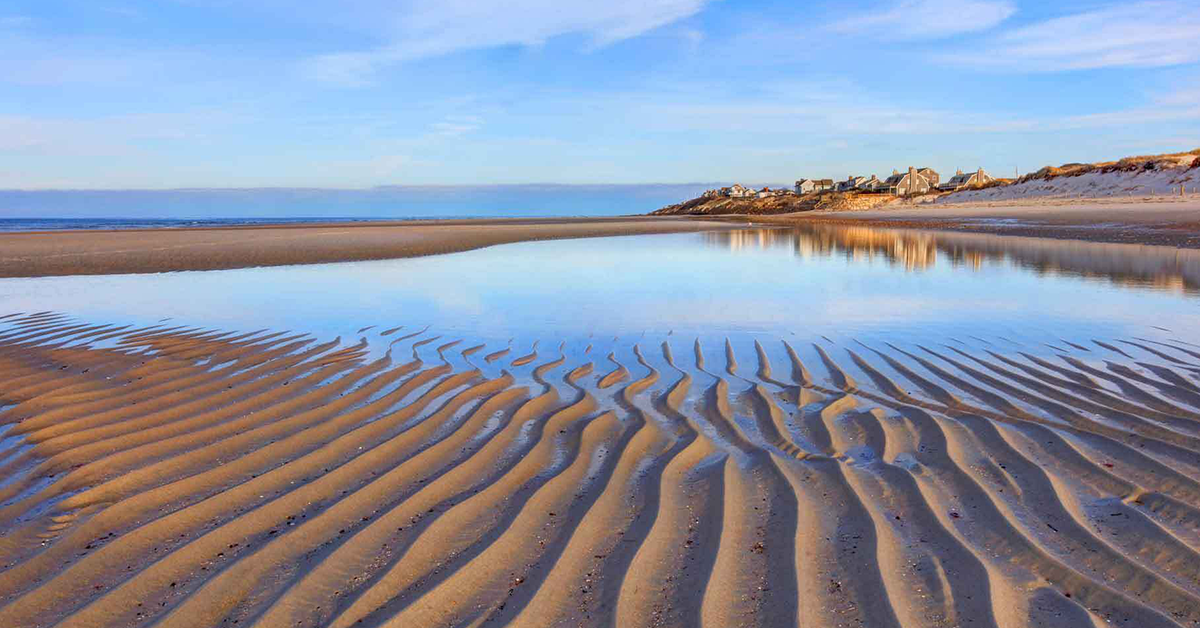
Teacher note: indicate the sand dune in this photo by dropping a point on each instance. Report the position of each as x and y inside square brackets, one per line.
[179, 476]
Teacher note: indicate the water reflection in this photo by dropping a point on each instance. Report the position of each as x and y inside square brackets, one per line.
[1160, 268]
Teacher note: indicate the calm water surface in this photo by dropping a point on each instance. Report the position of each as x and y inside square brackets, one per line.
[817, 284]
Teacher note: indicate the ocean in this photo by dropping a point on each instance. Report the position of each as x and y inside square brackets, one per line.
[28, 210]
[8, 225]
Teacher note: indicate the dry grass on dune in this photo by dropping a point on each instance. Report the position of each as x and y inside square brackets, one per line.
[1127, 164]
[188, 477]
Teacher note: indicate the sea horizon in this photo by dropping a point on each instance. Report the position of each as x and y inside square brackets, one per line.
[394, 202]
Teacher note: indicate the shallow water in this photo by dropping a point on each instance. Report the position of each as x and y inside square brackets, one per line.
[836, 283]
[848, 425]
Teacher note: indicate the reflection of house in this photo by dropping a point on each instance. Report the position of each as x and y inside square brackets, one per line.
[909, 183]
[968, 180]
[809, 186]
[1120, 264]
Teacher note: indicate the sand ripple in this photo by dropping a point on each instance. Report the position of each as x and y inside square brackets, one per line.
[191, 477]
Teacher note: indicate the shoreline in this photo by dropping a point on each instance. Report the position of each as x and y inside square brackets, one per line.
[1158, 222]
[1173, 223]
[124, 251]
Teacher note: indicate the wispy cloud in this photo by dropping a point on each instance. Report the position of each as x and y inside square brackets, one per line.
[1139, 35]
[454, 126]
[839, 110]
[14, 21]
[429, 28]
[928, 19]
[35, 136]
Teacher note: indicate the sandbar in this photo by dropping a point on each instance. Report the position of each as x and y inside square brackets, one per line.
[36, 254]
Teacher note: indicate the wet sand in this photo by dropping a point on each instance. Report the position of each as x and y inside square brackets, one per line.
[1163, 221]
[186, 477]
[161, 250]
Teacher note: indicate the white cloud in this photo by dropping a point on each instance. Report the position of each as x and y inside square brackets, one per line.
[928, 19]
[1140, 35]
[429, 28]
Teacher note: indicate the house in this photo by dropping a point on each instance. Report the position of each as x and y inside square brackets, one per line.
[908, 183]
[740, 191]
[930, 175]
[809, 186]
[967, 180]
[768, 192]
[851, 184]
[870, 184]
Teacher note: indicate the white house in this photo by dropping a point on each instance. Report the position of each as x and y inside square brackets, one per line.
[808, 186]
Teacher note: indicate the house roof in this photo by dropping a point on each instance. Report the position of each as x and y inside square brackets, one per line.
[961, 178]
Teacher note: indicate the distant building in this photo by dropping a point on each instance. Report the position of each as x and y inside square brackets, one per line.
[809, 186]
[768, 192]
[852, 183]
[869, 184]
[908, 183]
[740, 191]
[930, 175]
[967, 180]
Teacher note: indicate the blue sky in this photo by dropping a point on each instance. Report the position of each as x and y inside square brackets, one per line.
[357, 93]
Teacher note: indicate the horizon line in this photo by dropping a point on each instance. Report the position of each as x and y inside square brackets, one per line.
[280, 188]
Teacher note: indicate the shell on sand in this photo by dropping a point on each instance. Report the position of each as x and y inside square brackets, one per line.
[189, 477]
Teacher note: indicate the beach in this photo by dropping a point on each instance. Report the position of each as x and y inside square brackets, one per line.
[570, 314]
[703, 425]
[33, 254]
[195, 477]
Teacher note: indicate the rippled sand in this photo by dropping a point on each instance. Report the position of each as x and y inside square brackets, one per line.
[186, 477]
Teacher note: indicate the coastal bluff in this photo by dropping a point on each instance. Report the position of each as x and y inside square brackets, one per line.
[772, 205]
